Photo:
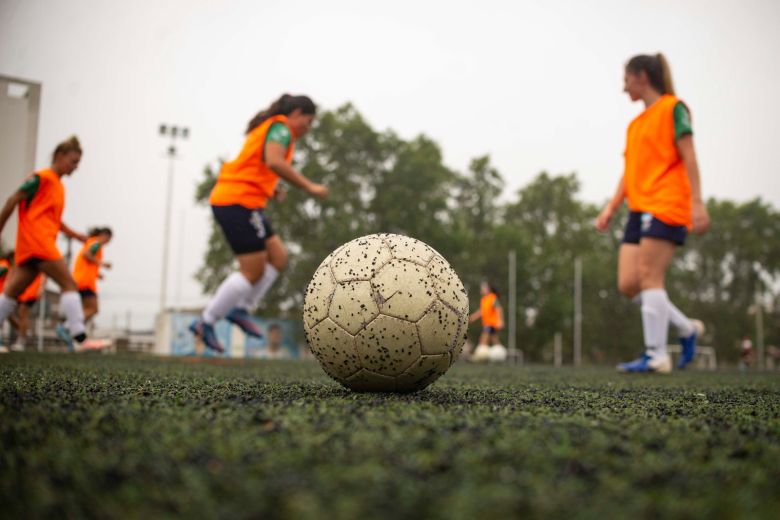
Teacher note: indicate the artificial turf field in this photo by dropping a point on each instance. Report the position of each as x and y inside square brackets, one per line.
[121, 436]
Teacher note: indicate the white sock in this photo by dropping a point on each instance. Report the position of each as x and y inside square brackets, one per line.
[234, 289]
[260, 288]
[683, 324]
[7, 307]
[655, 321]
[70, 304]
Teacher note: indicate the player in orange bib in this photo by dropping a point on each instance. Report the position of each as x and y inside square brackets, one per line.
[662, 185]
[86, 269]
[40, 201]
[489, 347]
[27, 301]
[243, 188]
[6, 262]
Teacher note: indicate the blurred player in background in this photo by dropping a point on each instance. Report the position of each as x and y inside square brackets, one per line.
[662, 184]
[238, 200]
[21, 320]
[86, 269]
[489, 347]
[6, 262]
[41, 200]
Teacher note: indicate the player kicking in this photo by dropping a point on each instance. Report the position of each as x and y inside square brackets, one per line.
[41, 200]
[238, 201]
[662, 184]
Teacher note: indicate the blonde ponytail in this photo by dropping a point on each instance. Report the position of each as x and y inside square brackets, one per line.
[666, 74]
[71, 144]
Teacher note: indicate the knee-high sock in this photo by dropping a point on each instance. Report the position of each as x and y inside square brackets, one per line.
[234, 289]
[70, 304]
[682, 323]
[7, 307]
[655, 320]
[260, 288]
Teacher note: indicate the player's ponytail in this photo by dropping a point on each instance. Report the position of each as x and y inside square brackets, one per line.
[657, 70]
[666, 74]
[285, 105]
[71, 144]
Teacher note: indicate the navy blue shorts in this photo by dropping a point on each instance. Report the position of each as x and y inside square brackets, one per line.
[489, 330]
[642, 225]
[246, 230]
[85, 293]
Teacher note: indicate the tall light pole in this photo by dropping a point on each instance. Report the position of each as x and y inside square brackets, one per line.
[174, 133]
[512, 343]
[577, 311]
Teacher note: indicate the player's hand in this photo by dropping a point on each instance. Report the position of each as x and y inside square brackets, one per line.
[280, 194]
[318, 190]
[107, 265]
[701, 217]
[604, 219]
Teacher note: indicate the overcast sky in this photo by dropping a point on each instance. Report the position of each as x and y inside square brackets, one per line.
[537, 85]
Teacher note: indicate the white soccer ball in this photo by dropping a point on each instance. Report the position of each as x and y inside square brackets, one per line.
[497, 354]
[385, 313]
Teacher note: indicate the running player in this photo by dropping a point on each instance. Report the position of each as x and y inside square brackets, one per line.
[5, 268]
[86, 270]
[492, 315]
[238, 200]
[662, 184]
[41, 200]
[27, 301]
[6, 262]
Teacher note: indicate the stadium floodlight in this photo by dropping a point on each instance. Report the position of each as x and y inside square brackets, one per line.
[173, 132]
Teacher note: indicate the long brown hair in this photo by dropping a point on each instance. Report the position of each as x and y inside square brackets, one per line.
[657, 69]
[71, 144]
[285, 105]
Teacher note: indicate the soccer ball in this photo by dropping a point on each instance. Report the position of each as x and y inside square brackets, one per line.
[385, 313]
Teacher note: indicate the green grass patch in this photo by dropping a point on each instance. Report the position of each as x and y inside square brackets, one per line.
[113, 436]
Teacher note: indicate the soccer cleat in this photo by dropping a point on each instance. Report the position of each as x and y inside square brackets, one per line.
[206, 333]
[17, 347]
[689, 344]
[243, 320]
[3, 349]
[646, 365]
[64, 335]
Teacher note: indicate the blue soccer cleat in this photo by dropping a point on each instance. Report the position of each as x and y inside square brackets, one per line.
[206, 333]
[64, 335]
[241, 318]
[689, 344]
[647, 365]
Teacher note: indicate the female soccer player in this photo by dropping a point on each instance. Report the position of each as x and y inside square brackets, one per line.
[492, 315]
[238, 199]
[662, 184]
[41, 200]
[5, 268]
[86, 270]
[21, 321]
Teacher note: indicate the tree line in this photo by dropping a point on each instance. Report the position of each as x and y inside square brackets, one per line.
[380, 182]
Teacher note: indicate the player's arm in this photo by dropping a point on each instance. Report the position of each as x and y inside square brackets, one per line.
[701, 218]
[90, 255]
[500, 311]
[475, 316]
[71, 233]
[274, 158]
[27, 190]
[605, 217]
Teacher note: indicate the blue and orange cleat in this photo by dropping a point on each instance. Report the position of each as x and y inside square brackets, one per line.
[206, 333]
[65, 336]
[647, 365]
[241, 318]
[689, 344]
